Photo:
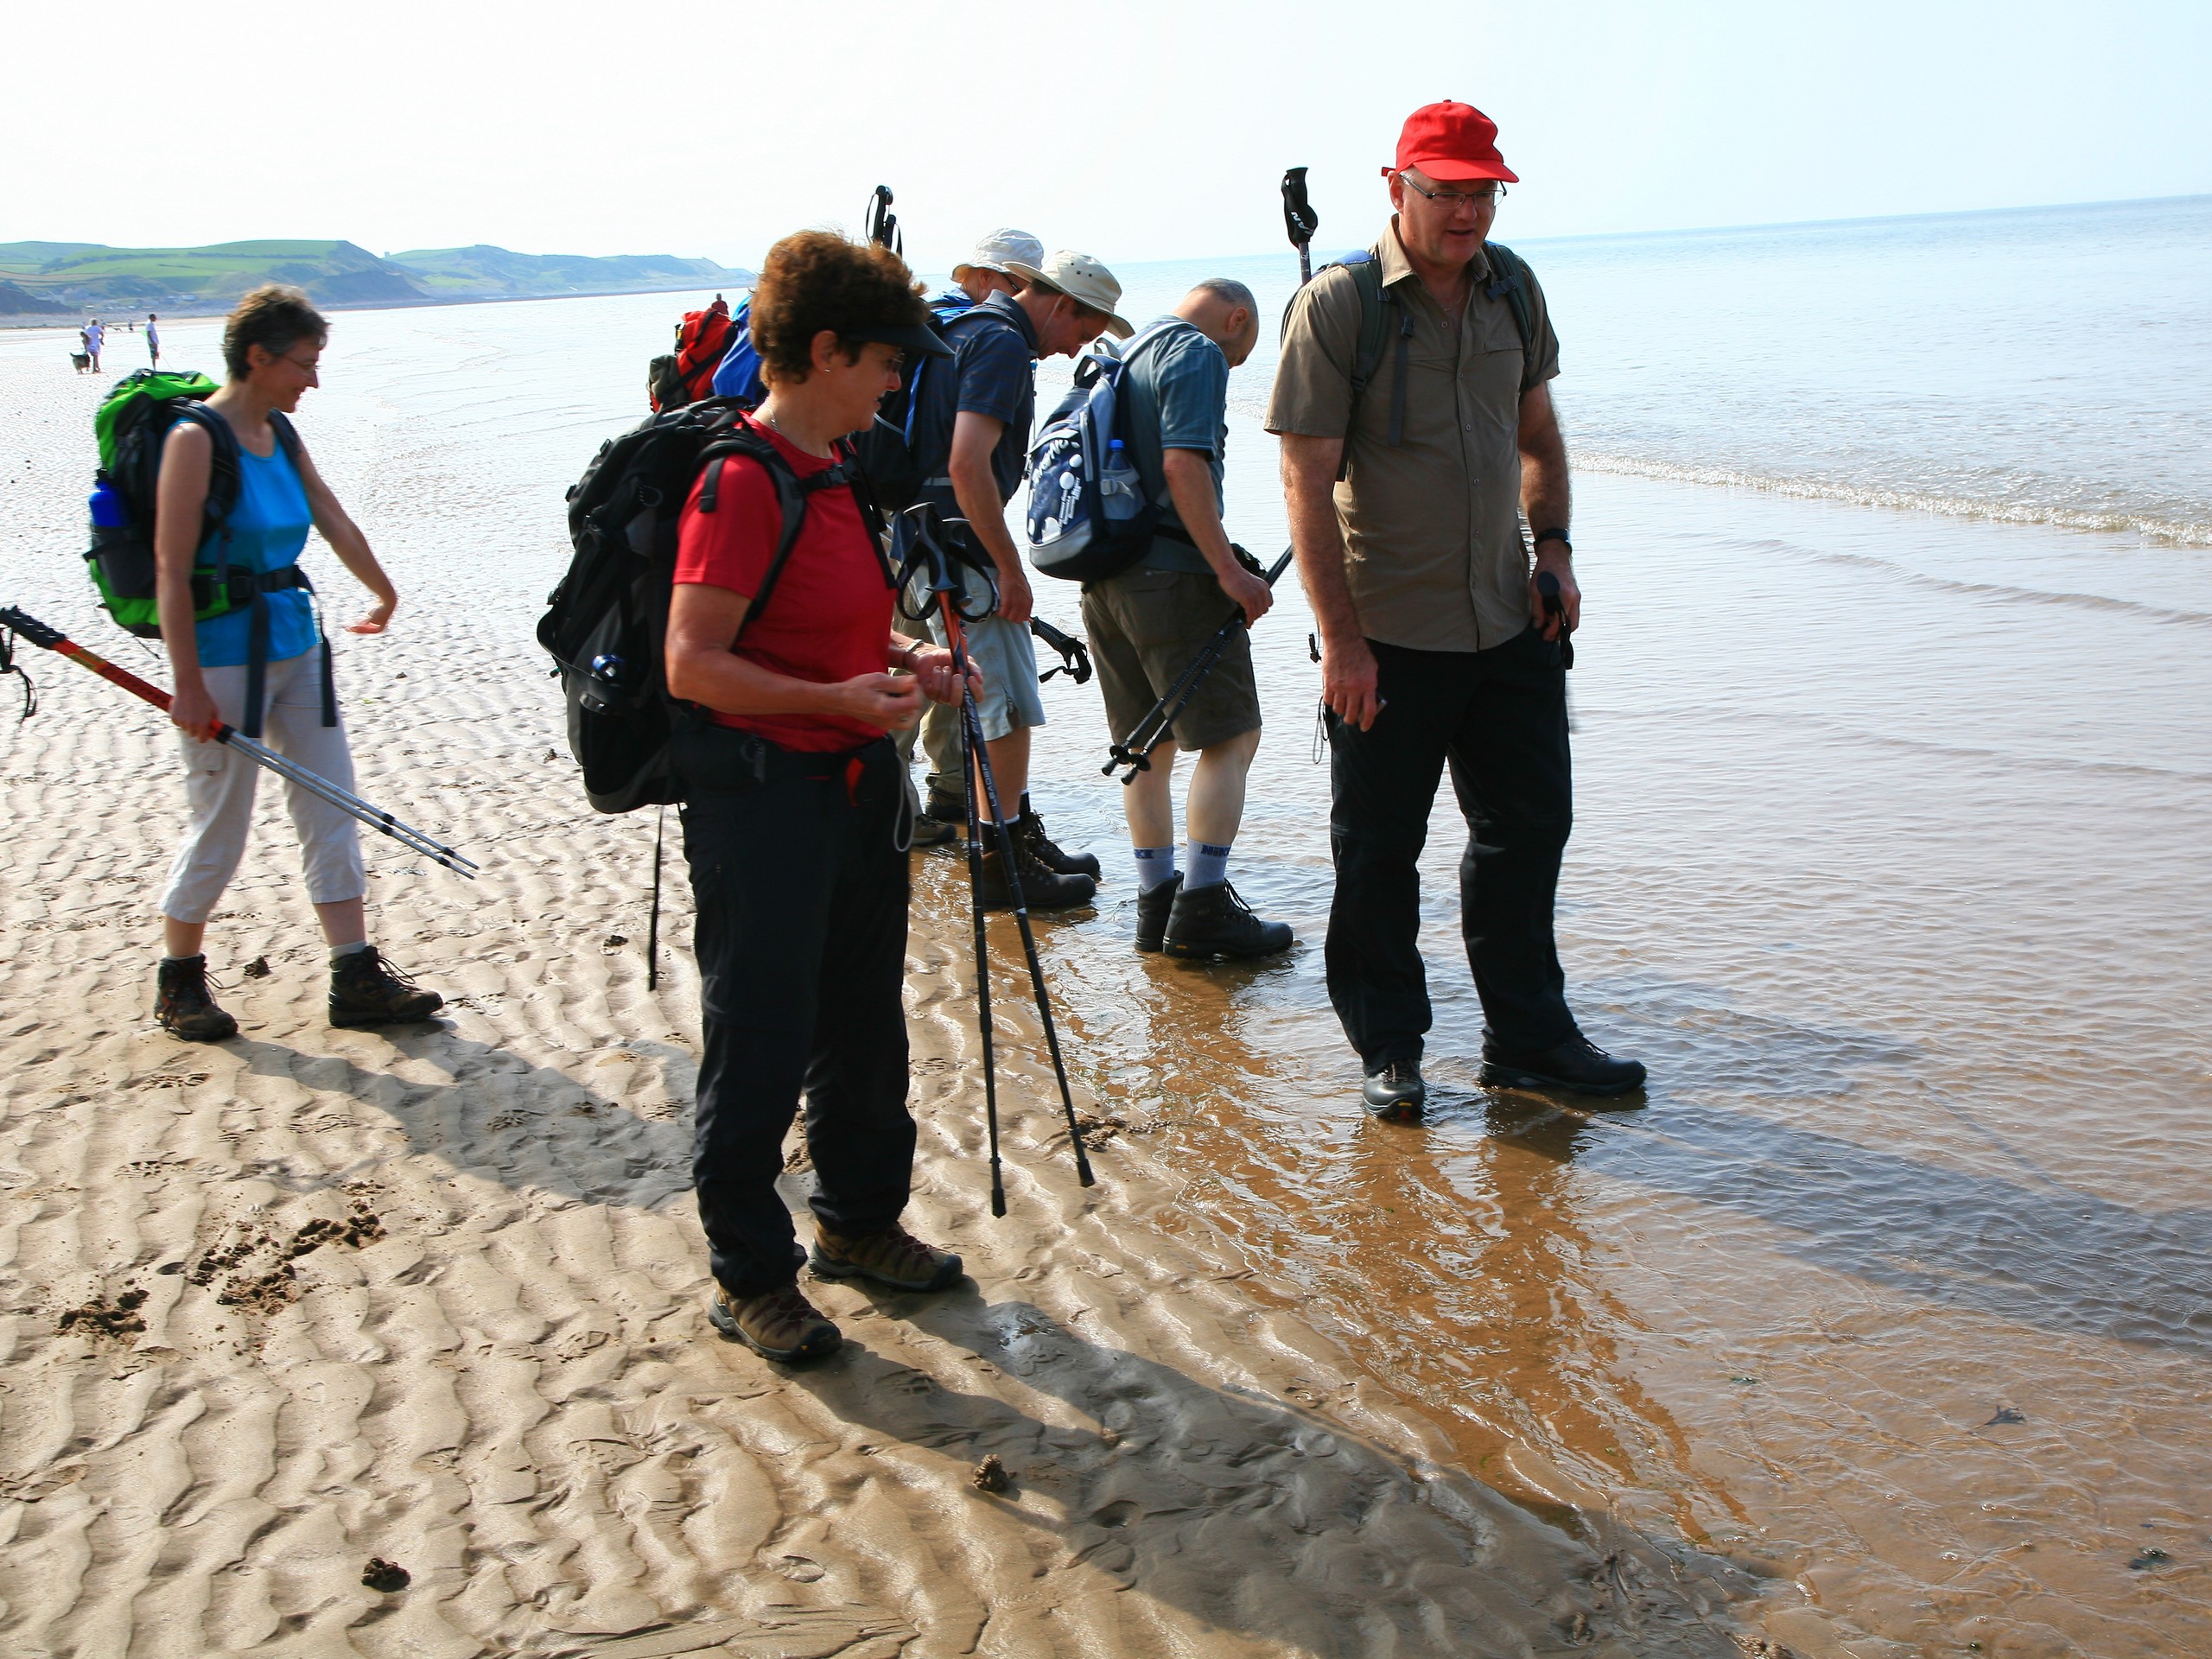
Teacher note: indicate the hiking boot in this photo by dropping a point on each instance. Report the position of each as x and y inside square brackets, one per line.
[1041, 889]
[1577, 1065]
[893, 1257]
[778, 1324]
[931, 832]
[1031, 830]
[1396, 1093]
[184, 1005]
[366, 990]
[1151, 912]
[1214, 922]
[945, 817]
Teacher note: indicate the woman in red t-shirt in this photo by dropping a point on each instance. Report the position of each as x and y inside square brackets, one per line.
[793, 796]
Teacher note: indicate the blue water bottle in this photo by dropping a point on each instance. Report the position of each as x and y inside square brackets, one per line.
[110, 509]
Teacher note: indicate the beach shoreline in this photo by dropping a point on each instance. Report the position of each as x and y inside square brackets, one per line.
[1879, 1330]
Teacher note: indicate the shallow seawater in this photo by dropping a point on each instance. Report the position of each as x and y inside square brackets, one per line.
[1889, 860]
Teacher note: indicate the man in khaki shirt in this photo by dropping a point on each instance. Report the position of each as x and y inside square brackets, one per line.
[1406, 498]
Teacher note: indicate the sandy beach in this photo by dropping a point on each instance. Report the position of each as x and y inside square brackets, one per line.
[1881, 1331]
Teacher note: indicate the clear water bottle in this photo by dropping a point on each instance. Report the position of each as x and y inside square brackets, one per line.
[1121, 492]
[110, 509]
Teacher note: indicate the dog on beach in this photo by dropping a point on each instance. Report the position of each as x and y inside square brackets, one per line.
[82, 360]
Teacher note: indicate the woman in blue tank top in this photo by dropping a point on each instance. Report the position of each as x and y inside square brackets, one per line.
[263, 667]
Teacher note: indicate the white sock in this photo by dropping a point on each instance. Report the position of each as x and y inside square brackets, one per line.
[1155, 866]
[1208, 864]
[340, 952]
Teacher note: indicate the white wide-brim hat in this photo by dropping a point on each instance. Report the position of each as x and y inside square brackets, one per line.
[1081, 278]
[999, 251]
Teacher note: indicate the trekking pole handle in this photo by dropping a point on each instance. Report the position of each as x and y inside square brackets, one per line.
[1547, 588]
[1299, 220]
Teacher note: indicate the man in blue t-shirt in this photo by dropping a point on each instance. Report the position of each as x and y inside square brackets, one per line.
[971, 441]
[1148, 624]
[984, 272]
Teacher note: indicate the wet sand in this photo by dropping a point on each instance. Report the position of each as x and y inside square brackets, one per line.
[1880, 1329]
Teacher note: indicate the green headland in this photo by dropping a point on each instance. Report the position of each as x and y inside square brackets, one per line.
[54, 281]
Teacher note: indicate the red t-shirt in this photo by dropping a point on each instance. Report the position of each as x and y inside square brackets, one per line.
[829, 616]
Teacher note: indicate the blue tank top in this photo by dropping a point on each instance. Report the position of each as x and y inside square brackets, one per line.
[267, 528]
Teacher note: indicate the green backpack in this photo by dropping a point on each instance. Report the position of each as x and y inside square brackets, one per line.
[133, 422]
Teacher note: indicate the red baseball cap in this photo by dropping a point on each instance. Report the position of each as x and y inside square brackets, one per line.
[1451, 141]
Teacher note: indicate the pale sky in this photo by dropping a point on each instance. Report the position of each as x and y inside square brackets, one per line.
[1136, 130]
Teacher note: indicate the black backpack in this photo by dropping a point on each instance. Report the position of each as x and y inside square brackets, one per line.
[605, 625]
[885, 448]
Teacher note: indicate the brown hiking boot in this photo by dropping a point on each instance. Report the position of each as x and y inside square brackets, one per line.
[893, 1257]
[778, 1324]
[184, 1005]
[366, 990]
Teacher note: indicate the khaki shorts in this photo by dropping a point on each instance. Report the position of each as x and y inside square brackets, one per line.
[1145, 627]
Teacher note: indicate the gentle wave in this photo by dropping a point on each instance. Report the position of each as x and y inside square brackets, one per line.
[2189, 533]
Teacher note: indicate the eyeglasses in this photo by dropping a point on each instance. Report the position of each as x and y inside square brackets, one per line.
[1485, 196]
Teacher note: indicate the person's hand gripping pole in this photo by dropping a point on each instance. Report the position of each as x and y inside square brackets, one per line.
[929, 582]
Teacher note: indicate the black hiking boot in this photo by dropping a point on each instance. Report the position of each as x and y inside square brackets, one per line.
[1151, 912]
[183, 1005]
[779, 1325]
[1576, 1064]
[1041, 889]
[366, 990]
[1396, 1093]
[1214, 922]
[1031, 830]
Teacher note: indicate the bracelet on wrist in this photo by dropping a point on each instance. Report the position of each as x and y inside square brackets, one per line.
[1558, 536]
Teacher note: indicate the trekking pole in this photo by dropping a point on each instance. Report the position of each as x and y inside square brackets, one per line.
[1301, 220]
[1152, 731]
[882, 224]
[1075, 656]
[975, 762]
[290, 771]
[1547, 588]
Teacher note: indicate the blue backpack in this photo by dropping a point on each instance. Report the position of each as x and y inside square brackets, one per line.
[738, 375]
[885, 451]
[1090, 517]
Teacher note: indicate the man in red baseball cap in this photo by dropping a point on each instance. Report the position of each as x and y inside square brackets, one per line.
[1414, 404]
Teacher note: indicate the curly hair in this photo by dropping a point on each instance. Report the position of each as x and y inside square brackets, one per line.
[814, 280]
[273, 317]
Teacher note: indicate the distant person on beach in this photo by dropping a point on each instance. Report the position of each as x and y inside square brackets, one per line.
[971, 441]
[988, 270]
[95, 336]
[263, 665]
[1148, 624]
[793, 797]
[1435, 647]
[153, 341]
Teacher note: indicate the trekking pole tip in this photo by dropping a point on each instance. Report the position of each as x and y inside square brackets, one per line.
[998, 1201]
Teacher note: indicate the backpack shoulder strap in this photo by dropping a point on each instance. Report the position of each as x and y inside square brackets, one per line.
[223, 464]
[1508, 281]
[1374, 323]
[791, 492]
[287, 434]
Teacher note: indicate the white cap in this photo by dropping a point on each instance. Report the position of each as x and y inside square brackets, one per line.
[1081, 278]
[998, 251]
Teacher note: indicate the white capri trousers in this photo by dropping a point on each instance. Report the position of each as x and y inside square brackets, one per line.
[219, 787]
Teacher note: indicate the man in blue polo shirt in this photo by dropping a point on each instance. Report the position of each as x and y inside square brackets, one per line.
[971, 440]
[1148, 624]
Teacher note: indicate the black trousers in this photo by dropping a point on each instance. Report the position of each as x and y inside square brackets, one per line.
[1499, 717]
[801, 936]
